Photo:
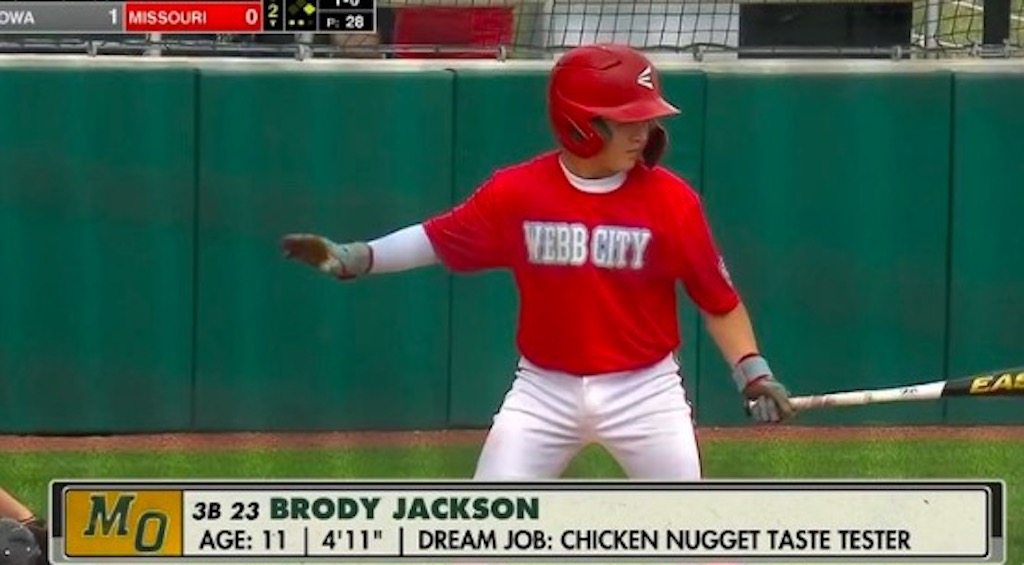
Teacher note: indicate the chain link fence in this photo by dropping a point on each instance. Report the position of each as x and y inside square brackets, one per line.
[539, 28]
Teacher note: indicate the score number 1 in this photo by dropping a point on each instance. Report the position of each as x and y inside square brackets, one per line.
[348, 4]
[156, 15]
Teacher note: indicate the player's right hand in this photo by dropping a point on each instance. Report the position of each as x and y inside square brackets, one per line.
[770, 401]
[767, 401]
[344, 261]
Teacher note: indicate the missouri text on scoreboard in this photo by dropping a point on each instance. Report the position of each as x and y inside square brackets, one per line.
[184, 17]
[761, 521]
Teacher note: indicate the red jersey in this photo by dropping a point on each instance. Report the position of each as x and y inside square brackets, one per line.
[596, 272]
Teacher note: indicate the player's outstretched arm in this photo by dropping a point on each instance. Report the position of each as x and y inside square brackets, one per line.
[405, 249]
[733, 333]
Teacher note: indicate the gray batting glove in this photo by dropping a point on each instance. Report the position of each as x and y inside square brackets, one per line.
[769, 400]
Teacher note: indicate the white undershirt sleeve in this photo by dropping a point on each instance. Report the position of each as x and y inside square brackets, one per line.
[407, 248]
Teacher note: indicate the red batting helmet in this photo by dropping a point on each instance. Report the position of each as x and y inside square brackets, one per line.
[603, 81]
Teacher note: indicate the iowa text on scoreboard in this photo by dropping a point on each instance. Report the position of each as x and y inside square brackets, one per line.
[135, 521]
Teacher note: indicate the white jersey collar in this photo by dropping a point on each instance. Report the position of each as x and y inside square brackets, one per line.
[594, 186]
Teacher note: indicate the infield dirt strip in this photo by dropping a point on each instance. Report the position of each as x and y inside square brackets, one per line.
[300, 440]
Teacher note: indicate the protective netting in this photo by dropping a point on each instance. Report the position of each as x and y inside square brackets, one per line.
[537, 28]
[716, 24]
[676, 25]
[1017, 23]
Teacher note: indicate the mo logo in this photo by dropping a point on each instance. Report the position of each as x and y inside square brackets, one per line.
[150, 527]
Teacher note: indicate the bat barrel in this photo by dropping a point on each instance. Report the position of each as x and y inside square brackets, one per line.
[1002, 383]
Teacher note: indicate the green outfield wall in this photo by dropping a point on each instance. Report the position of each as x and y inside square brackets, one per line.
[867, 214]
[986, 296]
[97, 208]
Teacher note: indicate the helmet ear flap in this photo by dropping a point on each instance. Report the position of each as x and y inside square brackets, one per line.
[579, 136]
[577, 133]
[602, 128]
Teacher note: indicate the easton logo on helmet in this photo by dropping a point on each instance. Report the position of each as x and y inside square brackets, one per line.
[644, 79]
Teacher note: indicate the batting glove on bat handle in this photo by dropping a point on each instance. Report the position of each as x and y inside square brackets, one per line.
[344, 261]
[769, 399]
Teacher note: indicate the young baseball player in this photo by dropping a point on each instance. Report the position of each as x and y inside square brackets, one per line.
[597, 236]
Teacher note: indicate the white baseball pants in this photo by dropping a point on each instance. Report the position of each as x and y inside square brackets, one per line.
[641, 417]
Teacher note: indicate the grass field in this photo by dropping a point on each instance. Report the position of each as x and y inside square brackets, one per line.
[27, 473]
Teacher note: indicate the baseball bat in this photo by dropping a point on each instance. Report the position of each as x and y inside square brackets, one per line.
[1003, 382]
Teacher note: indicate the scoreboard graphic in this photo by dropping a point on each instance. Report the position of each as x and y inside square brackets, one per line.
[188, 16]
[422, 521]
